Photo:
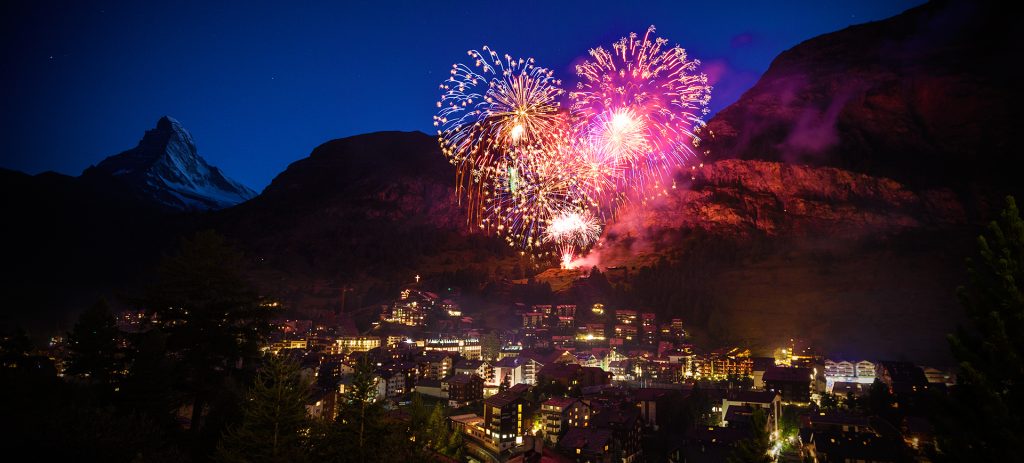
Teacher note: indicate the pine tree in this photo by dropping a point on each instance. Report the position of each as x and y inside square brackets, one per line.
[879, 400]
[453, 447]
[829, 401]
[361, 413]
[418, 419]
[15, 348]
[438, 428]
[362, 432]
[211, 315]
[984, 420]
[490, 346]
[754, 449]
[274, 418]
[149, 385]
[93, 345]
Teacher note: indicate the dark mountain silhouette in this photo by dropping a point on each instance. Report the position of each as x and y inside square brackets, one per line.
[927, 98]
[372, 209]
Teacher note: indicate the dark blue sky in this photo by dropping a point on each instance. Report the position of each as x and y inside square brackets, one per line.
[260, 84]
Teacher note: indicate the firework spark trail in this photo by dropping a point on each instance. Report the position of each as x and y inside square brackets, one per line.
[643, 105]
[577, 228]
[496, 103]
[540, 176]
[523, 200]
[572, 231]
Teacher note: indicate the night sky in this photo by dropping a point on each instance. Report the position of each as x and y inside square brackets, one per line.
[260, 84]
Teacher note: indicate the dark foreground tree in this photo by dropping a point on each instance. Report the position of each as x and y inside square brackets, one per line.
[984, 418]
[149, 386]
[93, 352]
[755, 448]
[360, 406]
[211, 315]
[418, 416]
[274, 423]
[15, 347]
[363, 432]
[437, 428]
[879, 400]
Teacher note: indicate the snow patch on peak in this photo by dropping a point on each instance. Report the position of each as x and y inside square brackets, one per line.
[170, 124]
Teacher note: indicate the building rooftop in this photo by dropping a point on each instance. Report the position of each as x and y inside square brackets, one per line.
[460, 379]
[714, 434]
[905, 372]
[584, 355]
[865, 446]
[739, 414]
[754, 397]
[428, 383]
[468, 364]
[560, 370]
[589, 440]
[560, 402]
[786, 374]
[843, 388]
[469, 419]
[509, 362]
[648, 394]
[508, 396]
[401, 365]
[763, 363]
[838, 419]
[545, 357]
[437, 355]
[617, 417]
[387, 373]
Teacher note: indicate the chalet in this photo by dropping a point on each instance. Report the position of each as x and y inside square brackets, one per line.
[563, 413]
[571, 375]
[793, 383]
[587, 445]
[463, 389]
[431, 388]
[503, 416]
[481, 368]
[624, 422]
[770, 401]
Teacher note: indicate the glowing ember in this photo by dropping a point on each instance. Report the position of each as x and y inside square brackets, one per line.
[567, 258]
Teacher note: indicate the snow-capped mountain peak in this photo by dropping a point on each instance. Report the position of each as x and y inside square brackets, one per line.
[166, 167]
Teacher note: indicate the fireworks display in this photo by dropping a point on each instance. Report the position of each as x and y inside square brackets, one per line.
[572, 227]
[490, 111]
[641, 103]
[543, 175]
